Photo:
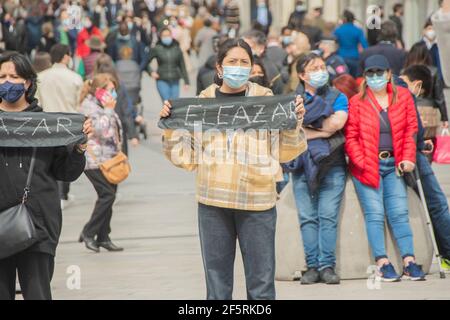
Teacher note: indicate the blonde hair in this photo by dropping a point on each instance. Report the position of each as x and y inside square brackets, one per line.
[100, 80]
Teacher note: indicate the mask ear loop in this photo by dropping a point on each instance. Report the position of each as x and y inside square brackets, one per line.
[420, 91]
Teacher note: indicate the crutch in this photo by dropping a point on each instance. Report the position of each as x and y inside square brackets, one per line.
[416, 176]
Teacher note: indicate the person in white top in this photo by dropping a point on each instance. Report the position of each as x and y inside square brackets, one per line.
[59, 90]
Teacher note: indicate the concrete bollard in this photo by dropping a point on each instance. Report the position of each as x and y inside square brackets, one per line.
[353, 253]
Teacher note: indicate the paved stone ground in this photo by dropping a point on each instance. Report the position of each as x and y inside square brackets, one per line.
[155, 220]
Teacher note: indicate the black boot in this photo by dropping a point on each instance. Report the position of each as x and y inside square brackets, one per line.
[310, 276]
[108, 245]
[89, 242]
[329, 276]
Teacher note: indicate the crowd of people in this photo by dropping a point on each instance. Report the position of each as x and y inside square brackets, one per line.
[367, 108]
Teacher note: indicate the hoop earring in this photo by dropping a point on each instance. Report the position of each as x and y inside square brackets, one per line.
[220, 76]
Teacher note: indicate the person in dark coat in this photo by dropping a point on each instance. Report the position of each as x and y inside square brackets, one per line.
[206, 74]
[34, 265]
[14, 34]
[386, 47]
[257, 41]
[171, 66]
[398, 12]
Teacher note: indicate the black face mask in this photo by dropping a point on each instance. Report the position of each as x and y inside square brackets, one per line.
[261, 80]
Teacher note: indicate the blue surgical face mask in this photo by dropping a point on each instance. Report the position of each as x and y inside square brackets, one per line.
[318, 79]
[167, 41]
[377, 83]
[114, 94]
[11, 92]
[287, 40]
[236, 77]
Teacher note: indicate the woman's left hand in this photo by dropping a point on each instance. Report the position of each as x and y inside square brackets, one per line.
[87, 128]
[88, 131]
[299, 107]
[406, 166]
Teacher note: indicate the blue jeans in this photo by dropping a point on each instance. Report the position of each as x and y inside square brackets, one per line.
[437, 204]
[318, 216]
[219, 229]
[168, 89]
[282, 184]
[391, 197]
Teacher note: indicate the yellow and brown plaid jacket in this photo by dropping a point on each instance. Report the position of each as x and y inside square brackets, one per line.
[248, 180]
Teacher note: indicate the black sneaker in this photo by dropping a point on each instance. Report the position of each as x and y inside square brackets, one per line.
[329, 276]
[310, 276]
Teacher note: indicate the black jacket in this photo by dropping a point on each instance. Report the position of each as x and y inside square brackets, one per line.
[44, 205]
[395, 56]
[206, 74]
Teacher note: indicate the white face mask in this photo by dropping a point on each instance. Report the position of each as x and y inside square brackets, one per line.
[431, 35]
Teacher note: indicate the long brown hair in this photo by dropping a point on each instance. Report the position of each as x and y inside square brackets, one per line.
[100, 80]
[363, 90]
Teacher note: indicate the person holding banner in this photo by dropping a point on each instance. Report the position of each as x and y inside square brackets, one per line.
[99, 98]
[34, 265]
[236, 198]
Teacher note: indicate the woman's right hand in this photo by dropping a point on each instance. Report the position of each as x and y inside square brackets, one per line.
[165, 112]
[155, 75]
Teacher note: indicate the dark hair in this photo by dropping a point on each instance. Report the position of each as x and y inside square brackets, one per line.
[207, 23]
[225, 47]
[285, 28]
[349, 17]
[58, 51]
[160, 32]
[319, 10]
[264, 82]
[421, 73]
[42, 61]
[397, 7]
[418, 54]
[24, 70]
[258, 36]
[388, 32]
[304, 60]
[428, 23]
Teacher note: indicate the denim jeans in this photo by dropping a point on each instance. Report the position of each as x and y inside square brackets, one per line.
[437, 204]
[282, 184]
[318, 216]
[391, 197]
[168, 89]
[219, 229]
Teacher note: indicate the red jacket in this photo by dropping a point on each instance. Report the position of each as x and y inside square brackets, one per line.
[82, 49]
[362, 134]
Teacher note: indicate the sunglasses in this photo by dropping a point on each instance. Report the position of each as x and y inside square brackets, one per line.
[371, 73]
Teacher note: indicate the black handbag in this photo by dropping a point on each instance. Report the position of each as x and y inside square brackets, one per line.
[17, 230]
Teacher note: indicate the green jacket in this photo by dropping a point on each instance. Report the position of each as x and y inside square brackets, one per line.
[171, 64]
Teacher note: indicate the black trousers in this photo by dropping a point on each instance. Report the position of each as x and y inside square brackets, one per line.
[64, 189]
[100, 223]
[35, 272]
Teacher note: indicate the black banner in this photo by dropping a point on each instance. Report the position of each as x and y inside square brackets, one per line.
[277, 112]
[40, 129]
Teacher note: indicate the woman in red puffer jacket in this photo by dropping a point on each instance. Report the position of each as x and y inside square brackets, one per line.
[380, 143]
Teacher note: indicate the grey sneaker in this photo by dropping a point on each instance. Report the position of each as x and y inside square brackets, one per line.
[329, 276]
[310, 276]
